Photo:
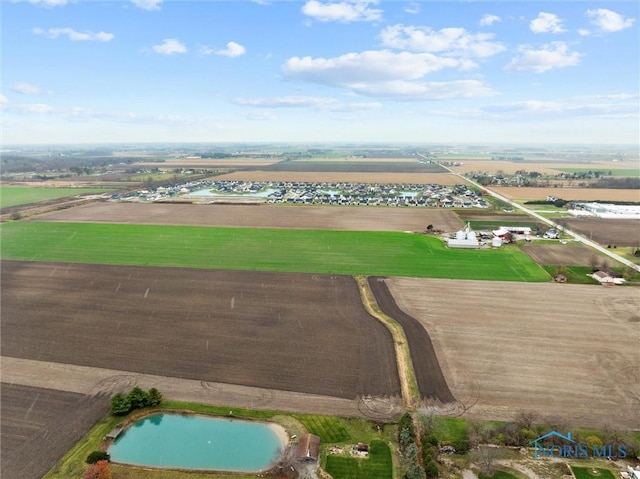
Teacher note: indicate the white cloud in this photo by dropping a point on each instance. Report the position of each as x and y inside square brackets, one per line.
[452, 41]
[27, 88]
[425, 91]
[36, 108]
[489, 19]
[233, 50]
[49, 3]
[169, 46]
[260, 116]
[317, 103]
[412, 8]
[368, 66]
[74, 35]
[3, 100]
[583, 32]
[385, 74]
[346, 11]
[546, 23]
[148, 4]
[609, 21]
[564, 108]
[553, 55]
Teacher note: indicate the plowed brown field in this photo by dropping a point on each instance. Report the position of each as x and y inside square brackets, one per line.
[607, 231]
[570, 194]
[297, 332]
[563, 254]
[346, 177]
[569, 351]
[40, 425]
[262, 216]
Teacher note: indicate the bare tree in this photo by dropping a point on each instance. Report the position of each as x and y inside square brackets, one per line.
[486, 456]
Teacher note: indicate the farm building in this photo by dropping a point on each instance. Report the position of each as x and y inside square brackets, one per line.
[605, 210]
[465, 238]
[606, 278]
[308, 448]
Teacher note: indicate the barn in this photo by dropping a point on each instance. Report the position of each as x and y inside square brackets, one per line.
[308, 449]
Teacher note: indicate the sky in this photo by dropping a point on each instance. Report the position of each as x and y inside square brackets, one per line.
[534, 72]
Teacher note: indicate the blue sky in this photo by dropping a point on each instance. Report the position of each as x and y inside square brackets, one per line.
[87, 71]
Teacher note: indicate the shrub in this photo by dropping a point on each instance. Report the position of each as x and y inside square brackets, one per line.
[99, 470]
[120, 405]
[96, 456]
[138, 398]
[154, 396]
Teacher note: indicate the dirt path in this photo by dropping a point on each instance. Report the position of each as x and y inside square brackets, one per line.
[88, 380]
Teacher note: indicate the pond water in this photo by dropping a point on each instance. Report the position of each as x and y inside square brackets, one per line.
[199, 442]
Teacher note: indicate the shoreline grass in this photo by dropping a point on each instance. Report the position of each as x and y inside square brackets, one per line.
[22, 195]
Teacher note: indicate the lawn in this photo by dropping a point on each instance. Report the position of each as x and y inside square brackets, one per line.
[278, 250]
[330, 429]
[588, 473]
[574, 274]
[378, 465]
[22, 195]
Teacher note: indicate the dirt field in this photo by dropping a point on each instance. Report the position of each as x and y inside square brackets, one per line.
[305, 333]
[262, 216]
[577, 194]
[209, 163]
[563, 254]
[569, 351]
[429, 377]
[607, 231]
[548, 167]
[40, 425]
[408, 166]
[407, 178]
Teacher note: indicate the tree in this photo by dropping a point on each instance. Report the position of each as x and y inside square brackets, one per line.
[96, 456]
[486, 456]
[120, 405]
[154, 397]
[138, 398]
[99, 470]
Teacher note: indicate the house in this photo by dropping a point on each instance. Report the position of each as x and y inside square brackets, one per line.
[605, 278]
[308, 449]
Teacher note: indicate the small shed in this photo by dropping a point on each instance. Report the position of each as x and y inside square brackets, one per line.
[308, 449]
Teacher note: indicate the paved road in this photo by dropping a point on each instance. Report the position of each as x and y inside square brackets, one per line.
[573, 234]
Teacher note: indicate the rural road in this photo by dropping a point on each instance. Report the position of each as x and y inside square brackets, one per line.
[573, 234]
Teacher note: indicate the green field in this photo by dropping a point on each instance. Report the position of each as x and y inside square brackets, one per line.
[378, 465]
[22, 195]
[305, 251]
[620, 172]
[587, 473]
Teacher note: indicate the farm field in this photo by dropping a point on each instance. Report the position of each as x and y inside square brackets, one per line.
[40, 425]
[567, 351]
[407, 166]
[351, 218]
[303, 251]
[564, 254]
[291, 332]
[607, 231]
[571, 194]
[546, 167]
[344, 177]
[22, 195]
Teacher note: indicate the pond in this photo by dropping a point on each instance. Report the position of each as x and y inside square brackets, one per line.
[198, 442]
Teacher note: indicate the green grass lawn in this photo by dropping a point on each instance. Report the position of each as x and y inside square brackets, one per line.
[330, 429]
[378, 465]
[588, 473]
[306, 251]
[493, 225]
[574, 274]
[22, 195]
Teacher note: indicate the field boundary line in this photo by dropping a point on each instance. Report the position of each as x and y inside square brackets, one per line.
[406, 373]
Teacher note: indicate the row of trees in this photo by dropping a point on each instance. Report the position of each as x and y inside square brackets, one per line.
[136, 399]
